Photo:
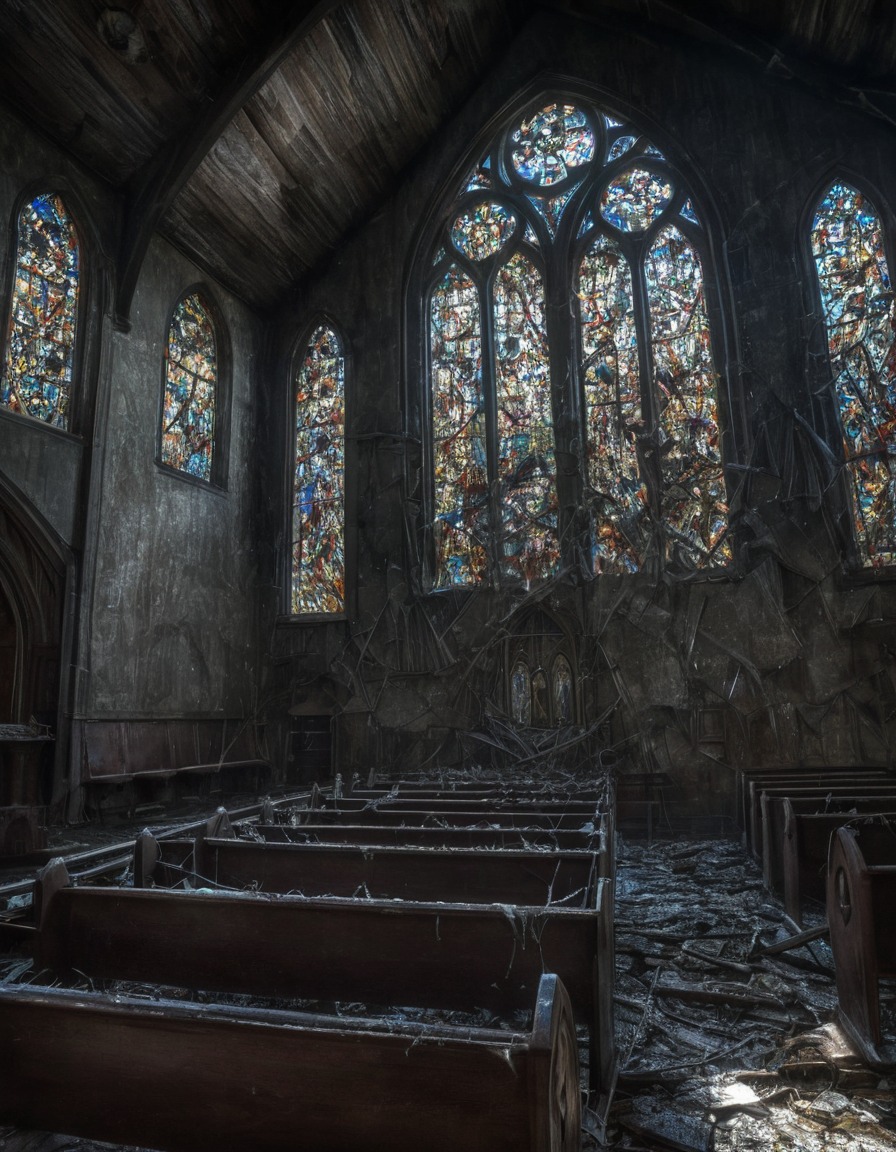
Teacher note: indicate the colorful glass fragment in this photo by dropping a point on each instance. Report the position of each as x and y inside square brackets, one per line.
[612, 378]
[318, 503]
[479, 178]
[551, 144]
[191, 375]
[694, 501]
[461, 488]
[520, 694]
[529, 546]
[687, 210]
[633, 200]
[860, 319]
[530, 236]
[37, 374]
[562, 691]
[620, 147]
[482, 231]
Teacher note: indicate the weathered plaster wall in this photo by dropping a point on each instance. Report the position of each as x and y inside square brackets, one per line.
[173, 612]
[785, 658]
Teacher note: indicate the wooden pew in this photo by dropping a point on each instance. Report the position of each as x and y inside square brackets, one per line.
[458, 818]
[482, 805]
[819, 779]
[772, 835]
[809, 773]
[468, 876]
[383, 952]
[170, 1075]
[807, 835]
[427, 836]
[861, 896]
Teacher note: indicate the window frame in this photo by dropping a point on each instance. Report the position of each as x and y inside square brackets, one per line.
[218, 479]
[564, 335]
[825, 408]
[79, 403]
[295, 359]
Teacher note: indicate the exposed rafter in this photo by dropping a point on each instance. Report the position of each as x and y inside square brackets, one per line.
[152, 189]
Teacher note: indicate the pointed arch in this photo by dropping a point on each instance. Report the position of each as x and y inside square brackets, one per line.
[317, 572]
[571, 231]
[193, 409]
[39, 356]
[848, 249]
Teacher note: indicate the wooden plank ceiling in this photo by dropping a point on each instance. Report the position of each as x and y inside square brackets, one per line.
[258, 162]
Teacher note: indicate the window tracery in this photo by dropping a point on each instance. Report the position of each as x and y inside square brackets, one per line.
[573, 230]
[318, 503]
[39, 360]
[856, 295]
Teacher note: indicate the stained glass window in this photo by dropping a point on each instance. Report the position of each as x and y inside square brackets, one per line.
[37, 373]
[572, 230]
[857, 300]
[191, 382]
[318, 505]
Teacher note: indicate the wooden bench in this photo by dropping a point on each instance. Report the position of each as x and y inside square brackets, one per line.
[861, 896]
[470, 876]
[170, 1075]
[810, 773]
[807, 836]
[383, 952]
[427, 836]
[819, 779]
[772, 837]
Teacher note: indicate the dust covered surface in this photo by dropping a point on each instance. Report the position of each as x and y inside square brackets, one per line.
[748, 1056]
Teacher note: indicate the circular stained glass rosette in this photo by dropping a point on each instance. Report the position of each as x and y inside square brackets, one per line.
[548, 147]
[482, 231]
[633, 200]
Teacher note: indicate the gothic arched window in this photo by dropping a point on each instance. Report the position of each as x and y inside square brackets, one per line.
[857, 300]
[572, 231]
[188, 432]
[40, 348]
[318, 494]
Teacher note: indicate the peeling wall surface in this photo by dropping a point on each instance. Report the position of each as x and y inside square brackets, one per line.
[785, 657]
[173, 620]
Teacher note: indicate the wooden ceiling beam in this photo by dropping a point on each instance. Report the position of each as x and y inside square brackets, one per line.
[153, 189]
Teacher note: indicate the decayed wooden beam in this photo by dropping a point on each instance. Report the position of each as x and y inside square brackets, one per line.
[152, 190]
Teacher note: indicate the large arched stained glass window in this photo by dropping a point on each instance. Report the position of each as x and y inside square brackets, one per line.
[190, 398]
[572, 232]
[857, 299]
[39, 360]
[318, 504]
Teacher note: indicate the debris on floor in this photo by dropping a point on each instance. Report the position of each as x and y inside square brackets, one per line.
[728, 1043]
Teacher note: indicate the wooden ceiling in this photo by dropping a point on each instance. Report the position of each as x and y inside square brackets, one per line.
[255, 134]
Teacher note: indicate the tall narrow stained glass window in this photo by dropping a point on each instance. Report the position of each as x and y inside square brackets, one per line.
[189, 403]
[857, 301]
[39, 355]
[572, 231]
[318, 505]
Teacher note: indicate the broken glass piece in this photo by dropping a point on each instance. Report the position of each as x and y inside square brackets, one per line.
[687, 210]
